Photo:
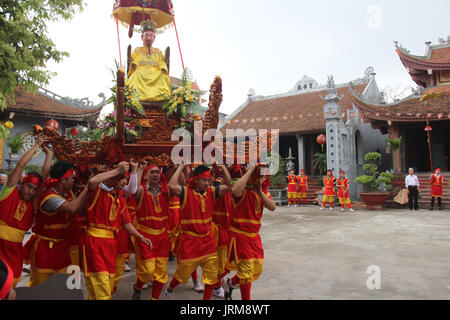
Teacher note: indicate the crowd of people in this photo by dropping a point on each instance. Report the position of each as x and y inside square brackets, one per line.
[298, 188]
[207, 217]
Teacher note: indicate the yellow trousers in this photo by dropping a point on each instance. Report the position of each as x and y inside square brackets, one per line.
[152, 270]
[99, 287]
[121, 259]
[248, 271]
[222, 256]
[209, 265]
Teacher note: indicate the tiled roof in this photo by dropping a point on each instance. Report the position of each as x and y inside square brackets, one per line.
[299, 113]
[39, 104]
[437, 59]
[408, 110]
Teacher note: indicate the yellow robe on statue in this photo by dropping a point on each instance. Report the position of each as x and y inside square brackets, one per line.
[149, 75]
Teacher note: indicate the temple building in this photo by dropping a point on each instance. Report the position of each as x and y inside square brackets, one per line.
[299, 115]
[30, 109]
[428, 107]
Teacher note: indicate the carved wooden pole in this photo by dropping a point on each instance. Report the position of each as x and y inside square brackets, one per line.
[120, 105]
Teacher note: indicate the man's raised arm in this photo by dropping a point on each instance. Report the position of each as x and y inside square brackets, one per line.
[102, 177]
[16, 174]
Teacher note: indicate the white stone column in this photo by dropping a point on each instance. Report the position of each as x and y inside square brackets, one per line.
[301, 151]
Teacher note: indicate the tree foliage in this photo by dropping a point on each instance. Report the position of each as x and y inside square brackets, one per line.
[25, 47]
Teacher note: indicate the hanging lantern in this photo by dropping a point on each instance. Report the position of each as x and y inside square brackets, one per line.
[74, 132]
[52, 124]
[428, 128]
[322, 140]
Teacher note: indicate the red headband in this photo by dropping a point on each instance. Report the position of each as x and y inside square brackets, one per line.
[30, 178]
[4, 291]
[341, 172]
[68, 174]
[302, 171]
[203, 175]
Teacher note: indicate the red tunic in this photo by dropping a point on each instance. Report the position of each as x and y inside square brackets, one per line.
[152, 214]
[124, 242]
[221, 220]
[292, 183]
[245, 219]
[302, 184]
[436, 185]
[48, 250]
[343, 184]
[196, 241]
[107, 213]
[329, 186]
[16, 217]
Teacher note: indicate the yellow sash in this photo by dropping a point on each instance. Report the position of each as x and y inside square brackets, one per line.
[248, 234]
[11, 234]
[51, 241]
[99, 233]
[150, 231]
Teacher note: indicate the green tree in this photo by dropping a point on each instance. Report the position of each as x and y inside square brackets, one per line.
[25, 47]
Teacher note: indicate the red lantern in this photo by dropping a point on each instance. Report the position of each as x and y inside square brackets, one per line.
[74, 132]
[322, 140]
[428, 128]
[52, 124]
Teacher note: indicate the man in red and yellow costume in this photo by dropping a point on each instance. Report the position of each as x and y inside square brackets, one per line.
[48, 250]
[221, 227]
[17, 211]
[437, 182]
[250, 197]
[153, 212]
[302, 188]
[196, 245]
[292, 188]
[343, 184]
[107, 212]
[328, 195]
[128, 187]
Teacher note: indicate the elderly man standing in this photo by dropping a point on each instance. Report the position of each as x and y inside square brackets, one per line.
[412, 184]
[3, 179]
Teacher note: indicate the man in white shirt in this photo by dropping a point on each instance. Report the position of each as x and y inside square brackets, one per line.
[412, 184]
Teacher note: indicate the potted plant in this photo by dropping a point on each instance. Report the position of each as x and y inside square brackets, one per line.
[14, 144]
[398, 178]
[320, 162]
[374, 182]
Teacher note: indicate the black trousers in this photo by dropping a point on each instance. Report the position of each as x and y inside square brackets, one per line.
[413, 198]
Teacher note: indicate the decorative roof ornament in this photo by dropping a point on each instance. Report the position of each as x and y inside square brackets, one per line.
[77, 103]
[400, 47]
[332, 95]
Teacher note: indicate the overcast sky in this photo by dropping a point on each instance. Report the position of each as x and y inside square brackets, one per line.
[260, 44]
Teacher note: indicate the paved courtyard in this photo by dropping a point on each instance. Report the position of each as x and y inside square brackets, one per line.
[312, 254]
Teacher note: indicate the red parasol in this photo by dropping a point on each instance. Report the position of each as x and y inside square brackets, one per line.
[134, 12]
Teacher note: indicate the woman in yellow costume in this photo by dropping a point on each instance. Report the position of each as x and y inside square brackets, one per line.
[148, 73]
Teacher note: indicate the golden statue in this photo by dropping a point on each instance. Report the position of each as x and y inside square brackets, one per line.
[148, 73]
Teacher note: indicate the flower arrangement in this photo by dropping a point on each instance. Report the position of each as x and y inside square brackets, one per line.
[184, 103]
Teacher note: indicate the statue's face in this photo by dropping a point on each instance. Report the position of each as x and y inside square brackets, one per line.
[148, 37]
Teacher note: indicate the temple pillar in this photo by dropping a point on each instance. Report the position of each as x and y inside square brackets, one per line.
[397, 154]
[301, 151]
